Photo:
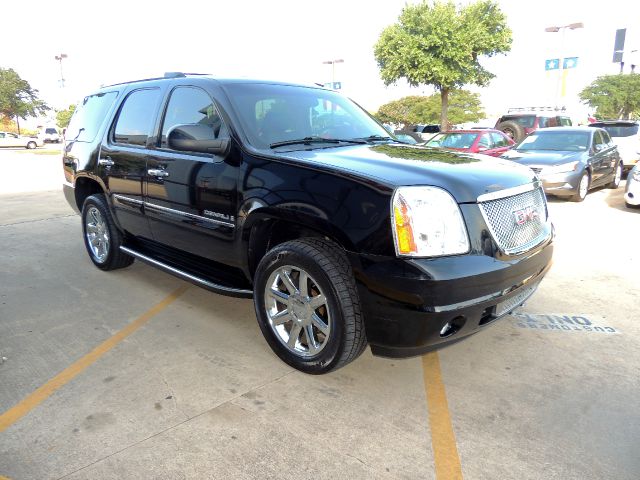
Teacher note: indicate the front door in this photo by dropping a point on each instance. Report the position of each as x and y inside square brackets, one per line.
[191, 197]
[123, 157]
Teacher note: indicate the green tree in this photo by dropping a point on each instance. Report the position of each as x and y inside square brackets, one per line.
[614, 96]
[63, 117]
[17, 98]
[439, 44]
[464, 106]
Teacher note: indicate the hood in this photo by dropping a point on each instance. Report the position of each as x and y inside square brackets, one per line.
[542, 157]
[466, 176]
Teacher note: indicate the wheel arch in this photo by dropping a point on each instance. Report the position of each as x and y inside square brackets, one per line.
[264, 228]
[86, 186]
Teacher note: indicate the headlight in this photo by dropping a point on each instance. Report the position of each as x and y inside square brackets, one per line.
[427, 223]
[564, 168]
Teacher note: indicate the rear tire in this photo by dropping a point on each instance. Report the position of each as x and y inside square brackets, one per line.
[308, 307]
[513, 130]
[101, 236]
[617, 177]
[583, 187]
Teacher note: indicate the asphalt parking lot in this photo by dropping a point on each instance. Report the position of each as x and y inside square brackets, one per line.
[136, 374]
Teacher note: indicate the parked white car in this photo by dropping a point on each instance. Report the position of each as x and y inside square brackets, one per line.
[626, 135]
[50, 135]
[8, 139]
[632, 190]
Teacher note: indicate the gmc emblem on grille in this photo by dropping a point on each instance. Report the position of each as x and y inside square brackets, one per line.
[526, 214]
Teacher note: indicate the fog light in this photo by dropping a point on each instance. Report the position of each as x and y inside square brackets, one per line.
[452, 326]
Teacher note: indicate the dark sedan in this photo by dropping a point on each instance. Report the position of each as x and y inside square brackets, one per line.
[570, 160]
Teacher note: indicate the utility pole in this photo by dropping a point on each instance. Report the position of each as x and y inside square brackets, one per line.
[562, 75]
[333, 69]
[59, 58]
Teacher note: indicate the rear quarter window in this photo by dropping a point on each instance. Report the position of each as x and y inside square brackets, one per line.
[88, 116]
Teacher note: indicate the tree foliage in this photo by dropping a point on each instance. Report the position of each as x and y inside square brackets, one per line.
[439, 44]
[614, 96]
[17, 98]
[464, 106]
[63, 117]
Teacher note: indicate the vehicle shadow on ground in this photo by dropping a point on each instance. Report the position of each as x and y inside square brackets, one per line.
[615, 199]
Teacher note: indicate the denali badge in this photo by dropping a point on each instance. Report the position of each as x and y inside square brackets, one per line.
[526, 214]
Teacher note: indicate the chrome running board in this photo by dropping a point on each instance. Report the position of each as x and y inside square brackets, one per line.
[201, 282]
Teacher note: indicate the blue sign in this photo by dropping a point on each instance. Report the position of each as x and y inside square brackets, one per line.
[552, 64]
[570, 62]
[334, 85]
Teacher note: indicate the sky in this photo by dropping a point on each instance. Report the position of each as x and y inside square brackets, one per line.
[122, 40]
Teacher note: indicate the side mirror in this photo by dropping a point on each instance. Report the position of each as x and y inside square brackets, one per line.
[196, 138]
[482, 148]
[598, 148]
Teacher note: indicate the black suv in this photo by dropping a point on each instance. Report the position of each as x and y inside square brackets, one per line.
[295, 196]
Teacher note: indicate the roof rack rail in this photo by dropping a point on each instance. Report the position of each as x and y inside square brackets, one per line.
[536, 109]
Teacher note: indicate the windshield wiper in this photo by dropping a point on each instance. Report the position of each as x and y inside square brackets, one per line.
[376, 138]
[310, 140]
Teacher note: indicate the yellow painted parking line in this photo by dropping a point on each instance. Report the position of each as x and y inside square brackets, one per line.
[443, 440]
[18, 411]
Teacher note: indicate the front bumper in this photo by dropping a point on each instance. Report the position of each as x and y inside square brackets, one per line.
[414, 306]
[632, 192]
[561, 184]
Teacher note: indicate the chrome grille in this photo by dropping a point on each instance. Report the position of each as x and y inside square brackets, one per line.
[515, 301]
[513, 225]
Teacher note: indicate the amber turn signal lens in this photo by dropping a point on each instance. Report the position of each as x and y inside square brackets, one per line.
[404, 232]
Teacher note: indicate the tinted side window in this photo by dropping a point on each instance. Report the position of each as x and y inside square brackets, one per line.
[597, 138]
[136, 117]
[499, 140]
[88, 116]
[564, 121]
[190, 105]
[606, 138]
[485, 141]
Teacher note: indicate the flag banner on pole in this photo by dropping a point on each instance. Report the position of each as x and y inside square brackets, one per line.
[552, 64]
[570, 62]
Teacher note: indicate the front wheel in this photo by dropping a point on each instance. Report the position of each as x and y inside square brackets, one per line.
[31, 145]
[307, 305]
[583, 188]
[101, 236]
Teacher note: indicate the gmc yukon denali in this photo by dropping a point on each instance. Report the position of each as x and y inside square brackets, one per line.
[294, 196]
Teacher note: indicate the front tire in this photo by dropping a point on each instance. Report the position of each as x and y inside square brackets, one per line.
[31, 145]
[583, 187]
[307, 305]
[101, 236]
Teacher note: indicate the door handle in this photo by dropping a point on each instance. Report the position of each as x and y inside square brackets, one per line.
[106, 162]
[157, 172]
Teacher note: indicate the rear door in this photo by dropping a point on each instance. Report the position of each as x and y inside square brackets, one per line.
[191, 197]
[123, 157]
[601, 161]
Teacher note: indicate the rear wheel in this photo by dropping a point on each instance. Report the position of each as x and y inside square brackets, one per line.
[31, 145]
[101, 236]
[307, 305]
[617, 177]
[583, 188]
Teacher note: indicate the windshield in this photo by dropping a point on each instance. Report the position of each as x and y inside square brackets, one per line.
[271, 114]
[559, 141]
[618, 130]
[452, 140]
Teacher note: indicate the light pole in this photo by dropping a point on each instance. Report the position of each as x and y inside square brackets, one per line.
[562, 76]
[333, 69]
[59, 58]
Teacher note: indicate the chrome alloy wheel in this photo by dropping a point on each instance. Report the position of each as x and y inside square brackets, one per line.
[97, 234]
[583, 188]
[297, 310]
